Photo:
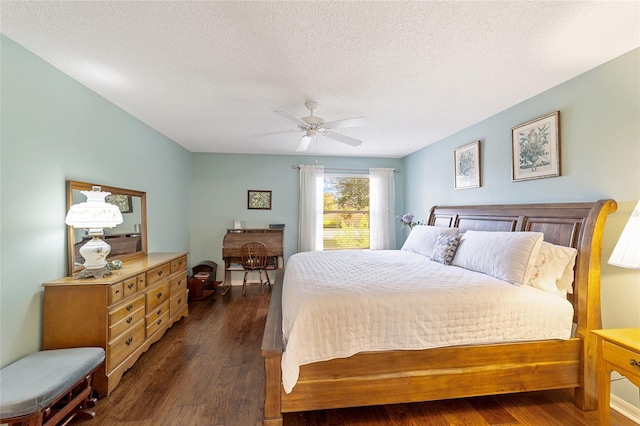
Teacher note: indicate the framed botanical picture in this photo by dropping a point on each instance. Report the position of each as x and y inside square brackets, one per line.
[535, 148]
[467, 166]
[122, 201]
[260, 200]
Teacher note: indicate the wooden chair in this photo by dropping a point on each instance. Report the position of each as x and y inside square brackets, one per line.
[254, 258]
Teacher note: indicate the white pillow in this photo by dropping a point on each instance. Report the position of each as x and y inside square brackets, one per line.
[508, 256]
[422, 239]
[553, 269]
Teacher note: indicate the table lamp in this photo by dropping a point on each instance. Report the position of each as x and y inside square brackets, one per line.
[626, 253]
[94, 215]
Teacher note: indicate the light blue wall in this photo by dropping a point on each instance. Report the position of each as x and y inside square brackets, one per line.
[600, 141]
[219, 195]
[54, 129]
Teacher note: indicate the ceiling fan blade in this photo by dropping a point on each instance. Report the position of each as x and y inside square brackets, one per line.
[277, 133]
[293, 118]
[304, 143]
[343, 138]
[348, 122]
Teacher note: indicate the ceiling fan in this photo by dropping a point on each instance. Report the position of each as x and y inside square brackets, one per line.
[314, 126]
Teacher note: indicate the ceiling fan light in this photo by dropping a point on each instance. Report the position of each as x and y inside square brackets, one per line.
[304, 143]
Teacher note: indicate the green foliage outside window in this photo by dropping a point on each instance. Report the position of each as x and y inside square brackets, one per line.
[346, 213]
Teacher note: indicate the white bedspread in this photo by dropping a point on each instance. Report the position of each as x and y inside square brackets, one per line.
[336, 304]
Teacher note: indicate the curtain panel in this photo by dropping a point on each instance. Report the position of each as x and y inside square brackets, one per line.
[382, 196]
[311, 208]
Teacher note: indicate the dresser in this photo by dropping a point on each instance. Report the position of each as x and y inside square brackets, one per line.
[124, 313]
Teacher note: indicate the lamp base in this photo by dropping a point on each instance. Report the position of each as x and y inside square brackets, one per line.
[95, 273]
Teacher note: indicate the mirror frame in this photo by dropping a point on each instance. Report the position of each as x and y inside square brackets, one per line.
[85, 186]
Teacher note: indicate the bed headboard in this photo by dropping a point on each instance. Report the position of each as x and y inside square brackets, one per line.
[577, 225]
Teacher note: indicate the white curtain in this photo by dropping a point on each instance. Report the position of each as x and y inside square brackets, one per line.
[382, 196]
[311, 208]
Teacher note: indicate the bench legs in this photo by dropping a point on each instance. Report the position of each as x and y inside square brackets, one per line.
[75, 403]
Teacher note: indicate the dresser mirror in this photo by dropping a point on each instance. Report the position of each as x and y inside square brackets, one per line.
[127, 240]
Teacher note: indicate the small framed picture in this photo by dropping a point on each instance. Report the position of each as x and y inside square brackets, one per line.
[467, 166]
[535, 148]
[260, 200]
[122, 201]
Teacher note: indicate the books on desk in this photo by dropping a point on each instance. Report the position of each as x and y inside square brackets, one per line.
[235, 267]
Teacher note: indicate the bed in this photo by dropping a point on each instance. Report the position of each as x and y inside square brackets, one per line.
[399, 376]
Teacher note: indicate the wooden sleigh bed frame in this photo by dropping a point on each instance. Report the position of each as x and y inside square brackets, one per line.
[376, 378]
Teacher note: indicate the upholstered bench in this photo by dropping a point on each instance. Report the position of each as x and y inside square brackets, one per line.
[49, 387]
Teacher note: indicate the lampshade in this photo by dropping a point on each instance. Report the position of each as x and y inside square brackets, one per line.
[94, 215]
[626, 253]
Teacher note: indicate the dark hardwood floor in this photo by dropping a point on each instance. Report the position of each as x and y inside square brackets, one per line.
[207, 370]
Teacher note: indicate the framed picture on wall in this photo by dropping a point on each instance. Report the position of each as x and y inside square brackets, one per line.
[122, 201]
[260, 200]
[467, 166]
[535, 148]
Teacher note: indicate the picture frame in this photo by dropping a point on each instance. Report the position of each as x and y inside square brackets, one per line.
[467, 166]
[122, 201]
[258, 199]
[535, 148]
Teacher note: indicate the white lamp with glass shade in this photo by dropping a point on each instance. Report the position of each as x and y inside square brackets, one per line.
[95, 214]
[626, 253]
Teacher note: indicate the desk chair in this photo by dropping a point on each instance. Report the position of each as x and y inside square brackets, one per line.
[254, 258]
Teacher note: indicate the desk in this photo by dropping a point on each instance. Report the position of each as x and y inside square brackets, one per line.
[619, 350]
[236, 238]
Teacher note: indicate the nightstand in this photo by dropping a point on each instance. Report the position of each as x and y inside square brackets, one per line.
[619, 350]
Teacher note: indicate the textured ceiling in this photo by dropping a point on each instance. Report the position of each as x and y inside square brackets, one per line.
[209, 75]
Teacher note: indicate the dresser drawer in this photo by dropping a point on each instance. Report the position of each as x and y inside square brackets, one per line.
[141, 281]
[126, 323]
[157, 296]
[130, 286]
[158, 274]
[155, 325]
[178, 284]
[620, 357]
[125, 309]
[157, 312]
[116, 293]
[123, 346]
[180, 264]
[177, 303]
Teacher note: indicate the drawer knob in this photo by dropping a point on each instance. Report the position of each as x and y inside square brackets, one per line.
[130, 285]
[159, 311]
[180, 282]
[129, 308]
[634, 364]
[160, 273]
[180, 301]
[129, 340]
[129, 320]
[117, 291]
[159, 295]
[159, 322]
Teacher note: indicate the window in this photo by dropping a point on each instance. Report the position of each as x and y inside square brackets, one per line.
[345, 219]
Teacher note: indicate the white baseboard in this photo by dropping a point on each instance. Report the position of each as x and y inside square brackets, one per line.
[626, 409]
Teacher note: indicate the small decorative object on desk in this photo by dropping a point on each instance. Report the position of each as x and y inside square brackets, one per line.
[114, 264]
[407, 220]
